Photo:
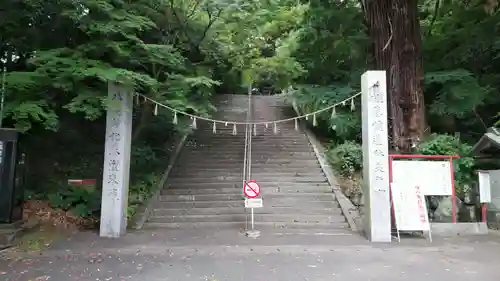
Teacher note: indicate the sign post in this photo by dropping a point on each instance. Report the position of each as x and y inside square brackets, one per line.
[410, 209]
[484, 193]
[439, 177]
[251, 189]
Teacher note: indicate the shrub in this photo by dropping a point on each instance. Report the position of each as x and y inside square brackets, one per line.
[346, 158]
[78, 200]
[449, 145]
[142, 189]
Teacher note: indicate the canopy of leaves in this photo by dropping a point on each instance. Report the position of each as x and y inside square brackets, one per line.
[60, 54]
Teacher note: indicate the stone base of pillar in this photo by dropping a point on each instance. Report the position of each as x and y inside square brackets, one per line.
[253, 233]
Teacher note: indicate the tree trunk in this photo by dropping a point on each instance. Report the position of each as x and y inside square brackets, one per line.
[395, 30]
[407, 73]
[378, 14]
[144, 119]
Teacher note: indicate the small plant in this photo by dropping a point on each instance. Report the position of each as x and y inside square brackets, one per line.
[346, 158]
[142, 189]
[79, 201]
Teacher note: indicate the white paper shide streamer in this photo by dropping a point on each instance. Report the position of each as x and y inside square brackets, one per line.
[235, 132]
[334, 113]
[175, 118]
[194, 123]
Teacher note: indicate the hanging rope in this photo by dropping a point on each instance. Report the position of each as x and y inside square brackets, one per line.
[266, 123]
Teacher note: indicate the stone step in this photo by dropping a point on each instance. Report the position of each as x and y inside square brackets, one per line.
[232, 146]
[237, 185]
[212, 139]
[277, 218]
[255, 149]
[256, 173]
[240, 159]
[255, 152]
[237, 190]
[201, 183]
[234, 179]
[268, 142]
[221, 155]
[255, 159]
[240, 133]
[261, 134]
[268, 152]
[313, 227]
[334, 210]
[201, 164]
[311, 233]
[240, 204]
[188, 173]
[180, 173]
[256, 170]
[264, 151]
[209, 158]
[232, 197]
[219, 169]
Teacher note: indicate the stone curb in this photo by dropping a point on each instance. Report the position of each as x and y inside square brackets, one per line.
[348, 210]
[144, 211]
[9, 233]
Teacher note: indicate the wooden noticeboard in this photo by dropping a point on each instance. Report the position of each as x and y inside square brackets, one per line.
[433, 177]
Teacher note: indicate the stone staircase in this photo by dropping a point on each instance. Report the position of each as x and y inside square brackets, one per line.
[205, 186]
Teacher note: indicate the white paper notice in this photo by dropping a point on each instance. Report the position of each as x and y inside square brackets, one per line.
[410, 209]
[484, 187]
[433, 177]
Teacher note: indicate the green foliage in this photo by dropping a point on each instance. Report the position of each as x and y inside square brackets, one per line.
[142, 189]
[331, 47]
[332, 43]
[461, 59]
[260, 40]
[458, 92]
[346, 158]
[448, 145]
[79, 201]
[85, 45]
[345, 124]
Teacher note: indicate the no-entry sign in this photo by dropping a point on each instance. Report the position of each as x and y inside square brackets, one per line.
[251, 189]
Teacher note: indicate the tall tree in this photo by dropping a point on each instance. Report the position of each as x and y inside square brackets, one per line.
[395, 29]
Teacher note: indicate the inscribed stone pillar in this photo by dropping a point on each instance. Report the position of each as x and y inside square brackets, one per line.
[116, 161]
[377, 216]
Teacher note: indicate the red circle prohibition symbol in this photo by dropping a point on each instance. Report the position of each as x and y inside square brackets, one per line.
[251, 189]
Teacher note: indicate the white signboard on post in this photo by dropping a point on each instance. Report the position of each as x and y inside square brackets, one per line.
[253, 203]
[410, 208]
[433, 177]
[484, 187]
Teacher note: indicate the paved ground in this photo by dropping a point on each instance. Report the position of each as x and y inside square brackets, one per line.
[229, 256]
